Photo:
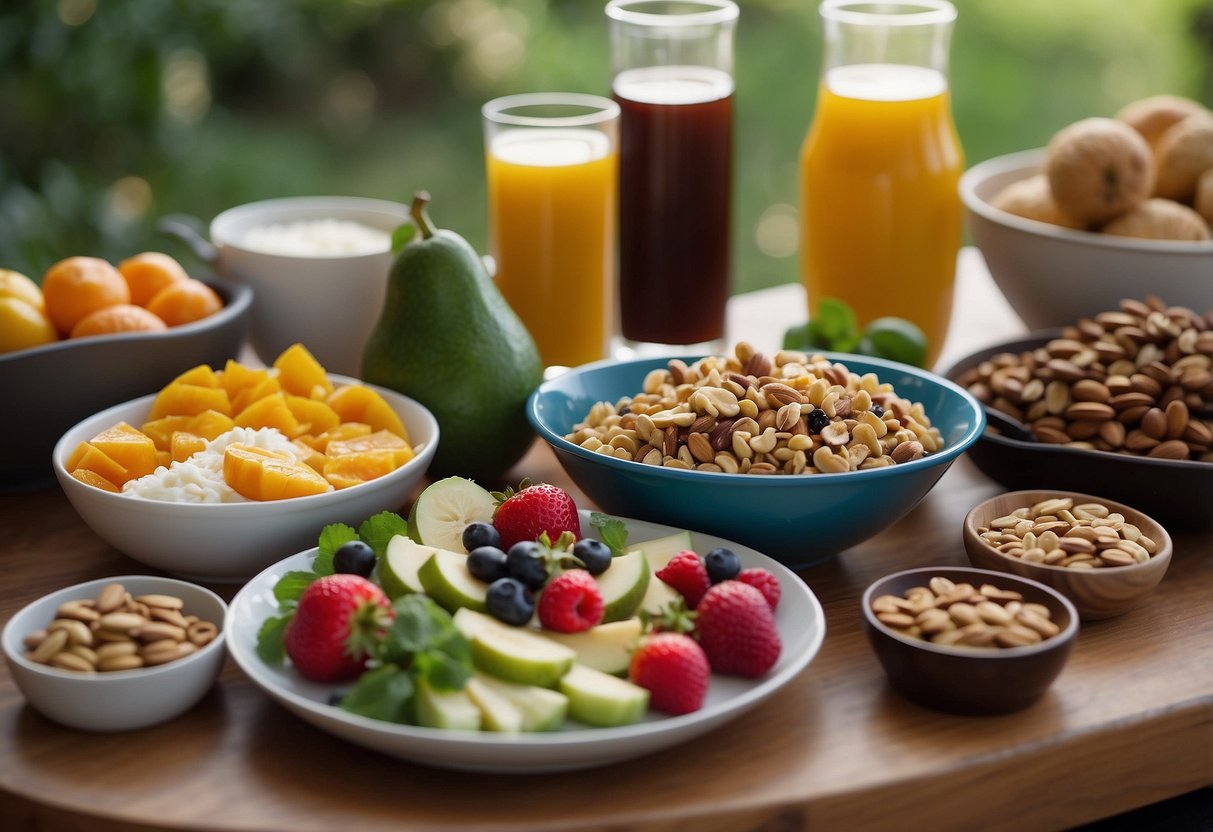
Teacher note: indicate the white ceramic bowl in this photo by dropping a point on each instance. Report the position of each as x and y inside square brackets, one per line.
[1053, 276]
[121, 700]
[332, 302]
[234, 541]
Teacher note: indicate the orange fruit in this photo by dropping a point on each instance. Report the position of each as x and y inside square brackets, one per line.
[147, 273]
[121, 317]
[185, 301]
[74, 287]
[23, 326]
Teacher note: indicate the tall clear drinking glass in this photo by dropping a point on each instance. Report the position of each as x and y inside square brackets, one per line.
[673, 79]
[880, 213]
[552, 186]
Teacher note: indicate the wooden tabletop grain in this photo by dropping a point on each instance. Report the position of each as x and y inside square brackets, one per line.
[1129, 721]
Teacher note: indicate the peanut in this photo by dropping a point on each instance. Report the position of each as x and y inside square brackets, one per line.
[958, 615]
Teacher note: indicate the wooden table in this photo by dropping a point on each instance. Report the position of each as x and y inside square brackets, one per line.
[1129, 722]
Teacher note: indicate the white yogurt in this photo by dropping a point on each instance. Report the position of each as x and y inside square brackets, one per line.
[316, 238]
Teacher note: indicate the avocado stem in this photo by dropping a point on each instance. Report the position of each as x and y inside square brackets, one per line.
[417, 212]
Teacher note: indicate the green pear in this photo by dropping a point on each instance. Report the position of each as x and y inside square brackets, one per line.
[447, 338]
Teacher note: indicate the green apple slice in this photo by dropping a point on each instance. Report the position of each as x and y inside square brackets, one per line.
[607, 647]
[512, 653]
[446, 579]
[623, 585]
[450, 709]
[602, 700]
[497, 713]
[542, 709]
[660, 550]
[400, 564]
[444, 509]
[658, 596]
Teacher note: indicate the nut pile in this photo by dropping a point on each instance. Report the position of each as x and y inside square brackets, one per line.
[749, 413]
[959, 615]
[1135, 381]
[1058, 533]
[116, 631]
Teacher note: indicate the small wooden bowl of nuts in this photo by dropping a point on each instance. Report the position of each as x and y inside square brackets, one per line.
[1104, 556]
[117, 654]
[968, 641]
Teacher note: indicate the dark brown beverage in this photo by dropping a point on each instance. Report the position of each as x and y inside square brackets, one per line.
[675, 164]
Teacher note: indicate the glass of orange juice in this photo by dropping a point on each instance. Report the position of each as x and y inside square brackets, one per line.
[553, 184]
[880, 214]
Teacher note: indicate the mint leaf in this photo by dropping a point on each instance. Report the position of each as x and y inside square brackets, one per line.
[446, 670]
[377, 531]
[836, 321]
[611, 531]
[331, 538]
[402, 236]
[269, 640]
[419, 622]
[384, 693]
[290, 587]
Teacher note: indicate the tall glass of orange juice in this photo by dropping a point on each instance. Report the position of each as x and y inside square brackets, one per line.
[552, 185]
[880, 213]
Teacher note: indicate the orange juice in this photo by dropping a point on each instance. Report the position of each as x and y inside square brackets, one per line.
[880, 213]
[552, 198]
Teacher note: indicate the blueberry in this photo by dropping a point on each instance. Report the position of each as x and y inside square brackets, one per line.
[510, 601]
[476, 535]
[876, 410]
[722, 564]
[354, 558]
[594, 554]
[335, 699]
[818, 420]
[526, 562]
[487, 563]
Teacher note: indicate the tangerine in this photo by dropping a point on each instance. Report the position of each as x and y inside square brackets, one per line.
[74, 287]
[121, 317]
[185, 301]
[147, 273]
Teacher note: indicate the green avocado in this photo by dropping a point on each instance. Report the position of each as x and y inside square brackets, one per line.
[447, 338]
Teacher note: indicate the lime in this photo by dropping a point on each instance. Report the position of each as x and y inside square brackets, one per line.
[895, 339]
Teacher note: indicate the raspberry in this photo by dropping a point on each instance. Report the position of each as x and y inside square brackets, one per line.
[674, 670]
[571, 602]
[737, 630]
[687, 574]
[764, 582]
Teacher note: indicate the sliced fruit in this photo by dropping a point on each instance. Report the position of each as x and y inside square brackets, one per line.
[94, 479]
[248, 396]
[269, 412]
[161, 430]
[236, 377]
[444, 509]
[380, 440]
[446, 579]
[209, 424]
[130, 448]
[514, 654]
[607, 647]
[660, 550]
[345, 430]
[300, 373]
[542, 709]
[496, 712]
[623, 585]
[182, 399]
[202, 376]
[400, 564]
[348, 470]
[658, 596]
[358, 403]
[308, 455]
[448, 709]
[89, 458]
[313, 412]
[602, 700]
[264, 475]
[185, 444]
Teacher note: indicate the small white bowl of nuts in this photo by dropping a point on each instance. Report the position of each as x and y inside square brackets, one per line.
[117, 654]
[1104, 556]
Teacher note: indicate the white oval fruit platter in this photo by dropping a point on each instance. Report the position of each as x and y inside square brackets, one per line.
[799, 619]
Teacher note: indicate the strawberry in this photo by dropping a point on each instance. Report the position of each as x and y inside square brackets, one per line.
[687, 574]
[571, 602]
[764, 582]
[737, 630]
[674, 670]
[533, 510]
[338, 620]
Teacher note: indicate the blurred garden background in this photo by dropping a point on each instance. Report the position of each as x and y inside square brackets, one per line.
[114, 113]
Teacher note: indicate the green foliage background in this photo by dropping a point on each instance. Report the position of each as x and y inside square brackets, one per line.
[116, 112]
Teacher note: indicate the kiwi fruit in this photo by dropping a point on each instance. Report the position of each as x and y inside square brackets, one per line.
[1098, 169]
[1160, 219]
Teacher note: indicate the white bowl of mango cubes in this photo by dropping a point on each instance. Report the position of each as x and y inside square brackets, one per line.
[232, 541]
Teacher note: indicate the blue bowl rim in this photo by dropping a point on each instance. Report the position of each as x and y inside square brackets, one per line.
[239, 299]
[946, 456]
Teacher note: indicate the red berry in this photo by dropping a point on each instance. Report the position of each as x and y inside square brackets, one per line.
[764, 582]
[338, 618]
[687, 574]
[737, 630]
[533, 510]
[674, 670]
[571, 602]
